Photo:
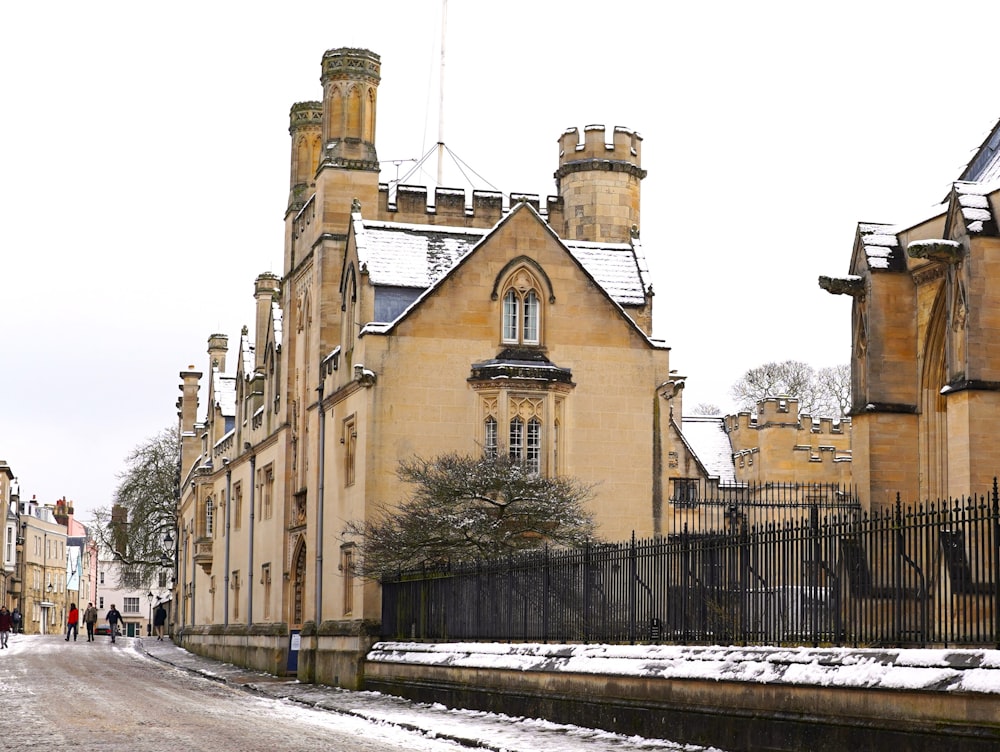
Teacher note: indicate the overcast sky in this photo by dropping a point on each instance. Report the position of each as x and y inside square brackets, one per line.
[145, 152]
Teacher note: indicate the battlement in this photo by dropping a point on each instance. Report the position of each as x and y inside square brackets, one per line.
[351, 63]
[409, 203]
[784, 411]
[304, 114]
[625, 145]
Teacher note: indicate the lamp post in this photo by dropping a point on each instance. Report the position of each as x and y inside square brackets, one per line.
[149, 622]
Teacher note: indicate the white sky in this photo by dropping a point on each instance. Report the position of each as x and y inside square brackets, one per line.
[144, 172]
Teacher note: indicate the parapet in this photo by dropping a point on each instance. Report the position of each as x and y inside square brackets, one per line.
[625, 145]
[304, 114]
[410, 205]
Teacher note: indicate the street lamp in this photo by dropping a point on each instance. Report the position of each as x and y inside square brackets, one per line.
[149, 623]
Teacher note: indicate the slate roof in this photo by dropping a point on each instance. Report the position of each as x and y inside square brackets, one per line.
[881, 246]
[417, 256]
[984, 166]
[974, 204]
[224, 390]
[706, 437]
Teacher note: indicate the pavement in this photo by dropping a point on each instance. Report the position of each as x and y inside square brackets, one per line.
[471, 729]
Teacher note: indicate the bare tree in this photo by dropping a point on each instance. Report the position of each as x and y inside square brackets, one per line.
[835, 383]
[825, 392]
[706, 408]
[144, 508]
[466, 508]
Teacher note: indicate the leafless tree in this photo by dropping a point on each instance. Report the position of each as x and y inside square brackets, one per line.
[144, 510]
[464, 508]
[826, 392]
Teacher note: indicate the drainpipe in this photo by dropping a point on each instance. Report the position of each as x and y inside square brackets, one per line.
[225, 597]
[253, 486]
[319, 505]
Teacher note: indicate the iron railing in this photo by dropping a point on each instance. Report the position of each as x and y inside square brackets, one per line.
[902, 576]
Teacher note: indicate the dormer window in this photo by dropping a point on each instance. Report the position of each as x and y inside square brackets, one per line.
[521, 310]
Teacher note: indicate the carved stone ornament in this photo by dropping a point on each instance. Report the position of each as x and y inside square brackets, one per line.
[853, 286]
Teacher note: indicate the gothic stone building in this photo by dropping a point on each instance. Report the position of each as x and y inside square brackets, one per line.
[398, 330]
[925, 323]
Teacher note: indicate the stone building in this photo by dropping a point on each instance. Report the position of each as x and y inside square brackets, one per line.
[406, 324]
[925, 319]
[44, 601]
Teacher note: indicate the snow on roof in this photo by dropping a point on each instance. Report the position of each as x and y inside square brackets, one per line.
[707, 438]
[616, 267]
[276, 315]
[975, 206]
[403, 255]
[417, 256]
[881, 246]
[247, 351]
[225, 393]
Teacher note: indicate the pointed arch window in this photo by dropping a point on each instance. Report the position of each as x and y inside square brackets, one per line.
[490, 437]
[522, 311]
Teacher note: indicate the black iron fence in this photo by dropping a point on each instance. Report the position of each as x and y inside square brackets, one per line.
[904, 576]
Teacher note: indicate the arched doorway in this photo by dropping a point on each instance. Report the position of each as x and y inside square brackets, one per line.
[296, 611]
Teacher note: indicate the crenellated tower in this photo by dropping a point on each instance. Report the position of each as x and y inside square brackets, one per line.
[598, 184]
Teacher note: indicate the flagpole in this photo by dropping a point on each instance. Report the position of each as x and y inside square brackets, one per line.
[440, 142]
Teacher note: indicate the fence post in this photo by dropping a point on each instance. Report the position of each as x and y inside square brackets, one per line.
[897, 569]
[586, 592]
[545, 596]
[995, 553]
[633, 597]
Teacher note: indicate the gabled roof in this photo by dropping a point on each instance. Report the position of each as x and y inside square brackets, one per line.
[397, 255]
[970, 204]
[708, 441]
[417, 256]
[878, 247]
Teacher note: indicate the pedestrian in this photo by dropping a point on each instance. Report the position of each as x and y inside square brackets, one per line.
[159, 619]
[72, 622]
[114, 618]
[15, 617]
[90, 619]
[6, 622]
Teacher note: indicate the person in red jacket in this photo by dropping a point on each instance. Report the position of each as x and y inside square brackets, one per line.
[6, 622]
[72, 621]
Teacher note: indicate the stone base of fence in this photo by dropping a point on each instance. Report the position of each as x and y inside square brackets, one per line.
[737, 699]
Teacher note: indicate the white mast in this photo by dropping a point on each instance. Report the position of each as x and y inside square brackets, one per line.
[440, 142]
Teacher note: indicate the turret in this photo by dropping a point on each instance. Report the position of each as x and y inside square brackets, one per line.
[187, 415]
[598, 184]
[218, 346]
[306, 129]
[350, 87]
[266, 288]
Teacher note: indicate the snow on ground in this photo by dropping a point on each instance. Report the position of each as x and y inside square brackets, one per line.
[925, 669]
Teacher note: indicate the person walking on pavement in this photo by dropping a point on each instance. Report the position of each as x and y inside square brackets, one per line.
[159, 619]
[6, 622]
[114, 618]
[15, 617]
[72, 622]
[90, 619]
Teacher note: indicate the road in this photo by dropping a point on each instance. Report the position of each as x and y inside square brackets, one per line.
[154, 697]
[111, 697]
